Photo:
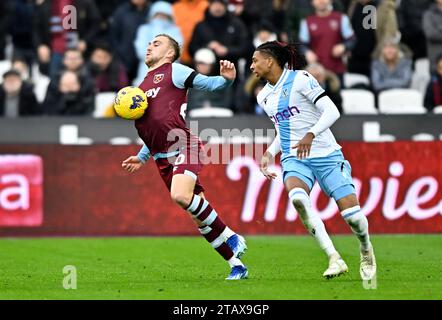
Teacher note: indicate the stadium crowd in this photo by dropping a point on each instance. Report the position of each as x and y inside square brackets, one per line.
[48, 69]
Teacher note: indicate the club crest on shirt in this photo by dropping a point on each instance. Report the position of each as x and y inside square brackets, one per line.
[158, 78]
[334, 24]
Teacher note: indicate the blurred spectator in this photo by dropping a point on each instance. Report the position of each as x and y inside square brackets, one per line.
[107, 72]
[3, 28]
[106, 9]
[227, 36]
[387, 26]
[187, 22]
[392, 70]
[69, 96]
[409, 14]
[361, 55]
[328, 36]
[73, 61]
[19, 64]
[298, 10]
[254, 13]
[328, 81]
[264, 33]
[52, 40]
[432, 25]
[433, 95]
[205, 63]
[160, 21]
[124, 24]
[17, 97]
[20, 28]
[222, 32]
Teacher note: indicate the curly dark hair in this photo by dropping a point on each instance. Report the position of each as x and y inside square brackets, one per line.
[284, 53]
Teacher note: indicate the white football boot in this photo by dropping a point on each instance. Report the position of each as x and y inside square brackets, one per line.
[367, 268]
[336, 267]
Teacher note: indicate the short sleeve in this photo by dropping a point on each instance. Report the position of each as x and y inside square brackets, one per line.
[180, 73]
[308, 86]
[304, 35]
[346, 28]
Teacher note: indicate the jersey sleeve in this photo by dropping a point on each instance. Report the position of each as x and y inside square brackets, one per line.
[181, 74]
[144, 154]
[309, 86]
[184, 77]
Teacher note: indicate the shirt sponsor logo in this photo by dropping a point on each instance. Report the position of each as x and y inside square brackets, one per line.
[286, 114]
[152, 93]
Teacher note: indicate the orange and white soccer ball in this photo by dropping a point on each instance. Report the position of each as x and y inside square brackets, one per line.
[130, 103]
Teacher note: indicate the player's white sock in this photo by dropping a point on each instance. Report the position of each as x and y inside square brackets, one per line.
[311, 221]
[227, 233]
[359, 225]
[233, 261]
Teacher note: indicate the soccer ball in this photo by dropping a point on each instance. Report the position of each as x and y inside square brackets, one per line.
[130, 103]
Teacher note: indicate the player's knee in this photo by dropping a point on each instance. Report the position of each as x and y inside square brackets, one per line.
[181, 199]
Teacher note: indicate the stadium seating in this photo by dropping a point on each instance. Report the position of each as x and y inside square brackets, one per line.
[103, 101]
[41, 87]
[358, 101]
[423, 137]
[421, 75]
[211, 112]
[5, 65]
[438, 109]
[401, 101]
[353, 79]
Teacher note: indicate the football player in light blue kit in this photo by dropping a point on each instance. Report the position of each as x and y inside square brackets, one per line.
[302, 114]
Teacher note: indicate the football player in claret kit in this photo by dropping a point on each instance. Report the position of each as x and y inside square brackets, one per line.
[180, 161]
[302, 114]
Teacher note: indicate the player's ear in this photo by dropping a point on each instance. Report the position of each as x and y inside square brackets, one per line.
[170, 54]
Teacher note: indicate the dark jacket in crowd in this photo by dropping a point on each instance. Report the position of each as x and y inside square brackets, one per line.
[88, 22]
[361, 55]
[20, 15]
[112, 79]
[3, 28]
[80, 103]
[27, 105]
[410, 14]
[433, 96]
[123, 28]
[227, 30]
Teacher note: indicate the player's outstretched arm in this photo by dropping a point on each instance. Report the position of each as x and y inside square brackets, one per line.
[132, 164]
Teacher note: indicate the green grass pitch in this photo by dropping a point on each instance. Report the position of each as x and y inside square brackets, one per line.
[181, 268]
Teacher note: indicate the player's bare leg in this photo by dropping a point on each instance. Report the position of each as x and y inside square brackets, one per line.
[351, 212]
[210, 225]
[299, 195]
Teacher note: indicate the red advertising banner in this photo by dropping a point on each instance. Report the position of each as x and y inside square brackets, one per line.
[21, 191]
[87, 193]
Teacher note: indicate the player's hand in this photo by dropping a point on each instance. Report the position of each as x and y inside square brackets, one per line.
[132, 164]
[227, 70]
[311, 57]
[304, 145]
[338, 50]
[265, 165]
